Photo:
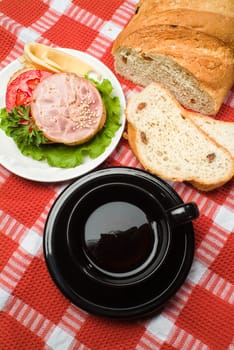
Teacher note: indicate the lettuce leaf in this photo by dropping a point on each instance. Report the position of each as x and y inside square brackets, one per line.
[31, 142]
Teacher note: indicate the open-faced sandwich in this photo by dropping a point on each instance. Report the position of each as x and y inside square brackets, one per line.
[55, 111]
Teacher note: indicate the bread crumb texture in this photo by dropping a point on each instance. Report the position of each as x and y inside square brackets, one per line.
[169, 144]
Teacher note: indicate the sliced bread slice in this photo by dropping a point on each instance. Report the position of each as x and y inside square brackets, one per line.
[167, 143]
[221, 131]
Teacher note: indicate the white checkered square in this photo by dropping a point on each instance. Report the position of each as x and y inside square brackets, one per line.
[197, 271]
[28, 35]
[59, 339]
[4, 297]
[60, 6]
[160, 326]
[225, 219]
[32, 242]
[110, 30]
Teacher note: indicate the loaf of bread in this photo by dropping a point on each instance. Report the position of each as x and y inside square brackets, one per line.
[188, 46]
[169, 144]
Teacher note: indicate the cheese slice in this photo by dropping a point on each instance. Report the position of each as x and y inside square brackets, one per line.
[43, 56]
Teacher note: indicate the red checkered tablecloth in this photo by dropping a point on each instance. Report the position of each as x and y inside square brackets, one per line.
[33, 313]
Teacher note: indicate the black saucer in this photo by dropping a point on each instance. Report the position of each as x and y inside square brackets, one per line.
[114, 301]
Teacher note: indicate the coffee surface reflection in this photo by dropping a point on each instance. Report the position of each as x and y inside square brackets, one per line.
[120, 237]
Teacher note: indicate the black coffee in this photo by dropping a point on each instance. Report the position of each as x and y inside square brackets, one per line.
[119, 237]
[117, 230]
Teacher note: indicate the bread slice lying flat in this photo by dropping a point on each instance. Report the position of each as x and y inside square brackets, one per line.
[169, 144]
[221, 131]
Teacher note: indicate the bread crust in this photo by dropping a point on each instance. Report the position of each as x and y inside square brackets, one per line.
[18, 72]
[224, 7]
[201, 21]
[205, 188]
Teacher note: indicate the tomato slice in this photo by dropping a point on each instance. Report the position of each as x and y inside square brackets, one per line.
[19, 90]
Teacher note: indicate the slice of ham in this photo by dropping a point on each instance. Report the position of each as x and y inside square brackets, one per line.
[67, 108]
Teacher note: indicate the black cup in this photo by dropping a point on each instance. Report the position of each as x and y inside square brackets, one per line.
[119, 234]
[133, 268]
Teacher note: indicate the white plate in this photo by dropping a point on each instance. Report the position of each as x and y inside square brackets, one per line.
[13, 160]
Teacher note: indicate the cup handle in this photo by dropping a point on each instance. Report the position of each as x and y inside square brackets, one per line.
[183, 213]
